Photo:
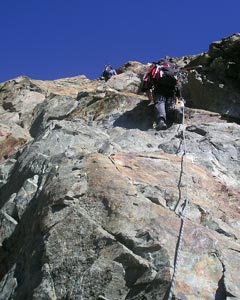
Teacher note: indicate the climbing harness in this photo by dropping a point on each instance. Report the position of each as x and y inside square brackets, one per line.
[181, 214]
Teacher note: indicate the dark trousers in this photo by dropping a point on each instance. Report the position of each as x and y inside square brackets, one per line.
[164, 108]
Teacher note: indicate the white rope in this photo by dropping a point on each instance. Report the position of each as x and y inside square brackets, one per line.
[182, 214]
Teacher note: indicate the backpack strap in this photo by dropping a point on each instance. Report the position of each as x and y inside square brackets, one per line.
[157, 72]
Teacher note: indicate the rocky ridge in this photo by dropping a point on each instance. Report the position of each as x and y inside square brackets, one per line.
[91, 194]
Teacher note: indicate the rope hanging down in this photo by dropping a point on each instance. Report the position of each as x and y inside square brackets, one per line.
[182, 214]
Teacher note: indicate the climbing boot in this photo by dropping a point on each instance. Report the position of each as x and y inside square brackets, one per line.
[161, 125]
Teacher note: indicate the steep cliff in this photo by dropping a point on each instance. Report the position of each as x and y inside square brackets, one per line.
[91, 196]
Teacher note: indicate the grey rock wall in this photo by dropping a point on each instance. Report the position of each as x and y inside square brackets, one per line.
[91, 195]
[216, 86]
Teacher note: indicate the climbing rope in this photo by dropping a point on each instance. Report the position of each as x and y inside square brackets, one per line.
[182, 214]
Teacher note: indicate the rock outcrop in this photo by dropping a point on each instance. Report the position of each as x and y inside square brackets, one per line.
[91, 195]
[216, 86]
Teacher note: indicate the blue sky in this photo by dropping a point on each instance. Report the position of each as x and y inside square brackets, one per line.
[51, 39]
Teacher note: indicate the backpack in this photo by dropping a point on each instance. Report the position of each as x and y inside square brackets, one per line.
[163, 74]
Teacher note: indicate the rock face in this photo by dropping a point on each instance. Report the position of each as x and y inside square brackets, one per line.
[216, 86]
[91, 195]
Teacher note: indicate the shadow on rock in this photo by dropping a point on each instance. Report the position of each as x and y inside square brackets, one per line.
[141, 117]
